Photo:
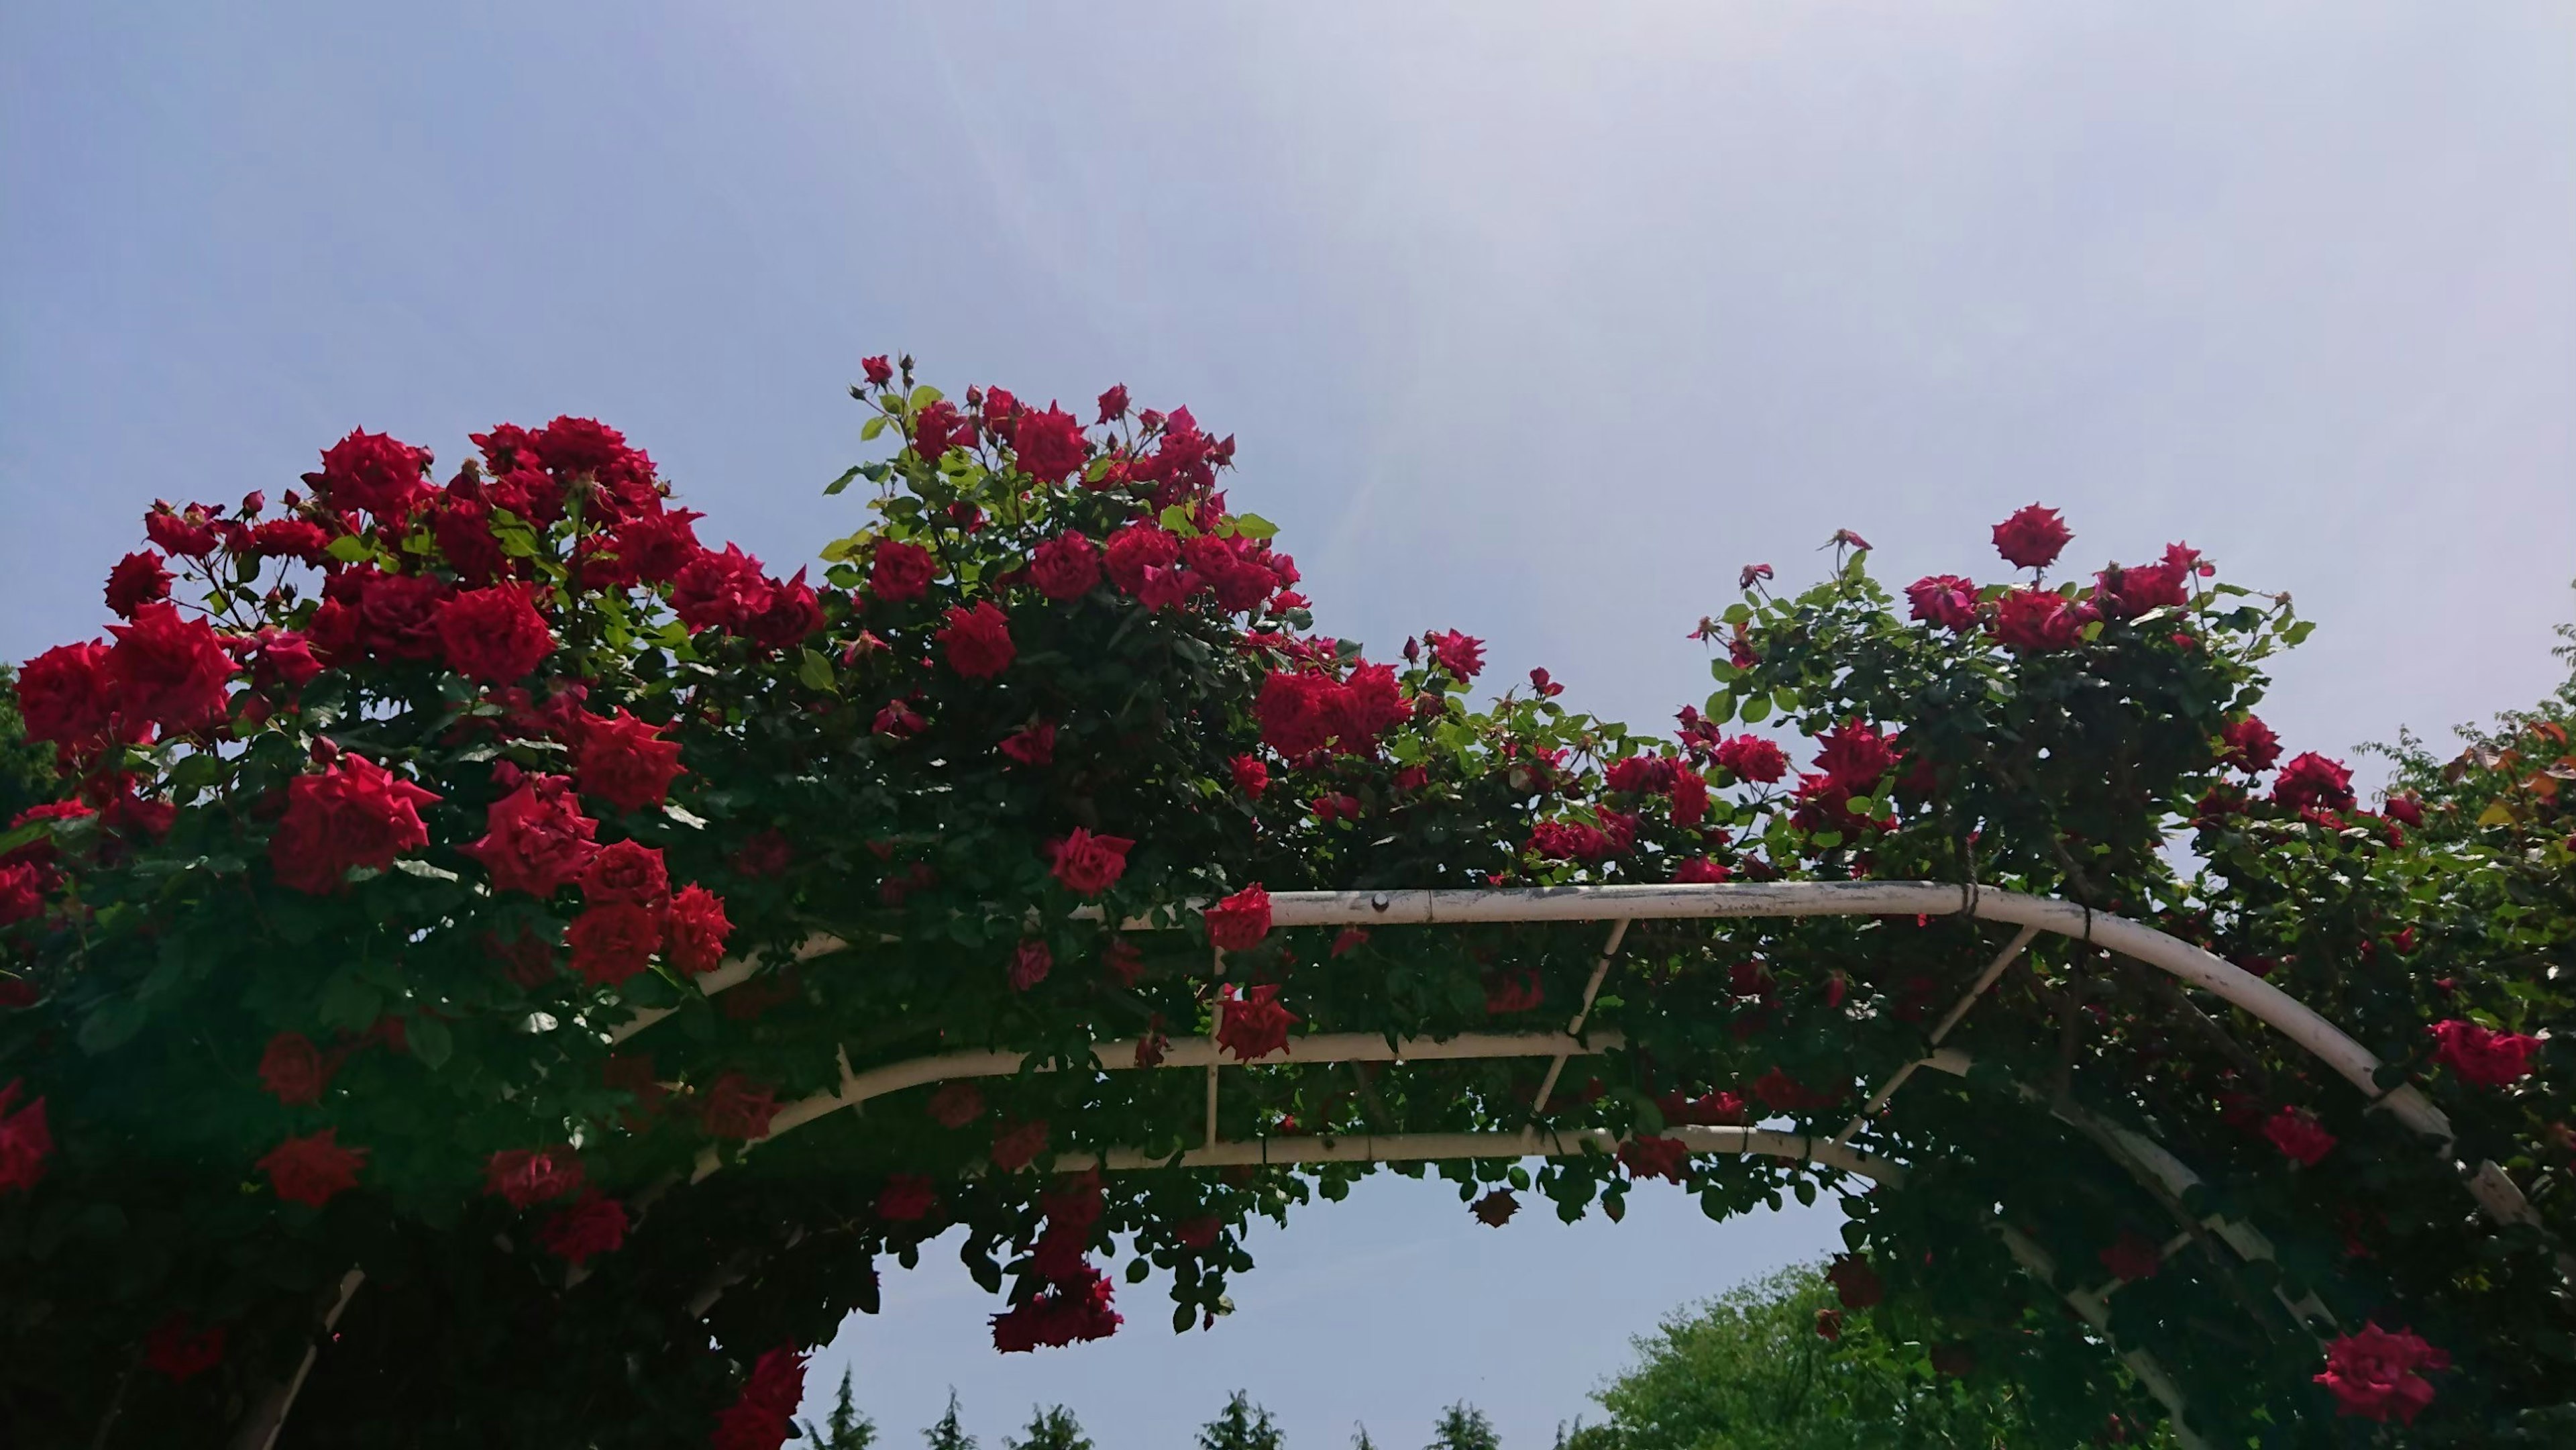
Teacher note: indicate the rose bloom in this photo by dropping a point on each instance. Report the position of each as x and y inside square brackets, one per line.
[1089, 865]
[791, 614]
[1753, 758]
[628, 871]
[67, 695]
[169, 669]
[1854, 757]
[1493, 1210]
[22, 893]
[2373, 1374]
[494, 635]
[1459, 654]
[1299, 711]
[612, 941]
[25, 1140]
[1251, 776]
[2128, 593]
[2038, 620]
[1049, 444]
[185, 535]
[2132, 1257]
[1030, 963]
[721, 591]
[1031, 745]
[138, 579]
[2032, 537]
[294, 1070]
[1065, 567]
[1254, 1025]
[655, 547]
[173, 1351]
[765, 853]
[2296, 1132]
[737, 1108]
[2312, 780]
[978, 641]
[596, 1225]
[956, 1104]
[898, 571]
[906, 1198]
[1137, 548]
[1946, 600]
[1700, 869]
[938, 428]
[2481, 1056]
[879, 371]
[760, 1420]
[1651, 1157]
[2251, 745]
[1516, 990]
[298, 539]
[371, 471]
[1239, 922]
[1856, 1283]
[312, 1170]
[1690, 798]
[530, 1176]
[1018, 1145]
[355, 813]
[535, 838]
[625, 762]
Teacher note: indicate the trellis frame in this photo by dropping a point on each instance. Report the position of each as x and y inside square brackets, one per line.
[2495, 1192]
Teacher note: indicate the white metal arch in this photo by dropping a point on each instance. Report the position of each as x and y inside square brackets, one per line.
[2493, 1190]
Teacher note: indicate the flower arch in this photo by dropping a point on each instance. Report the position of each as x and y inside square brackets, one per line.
[493, 927]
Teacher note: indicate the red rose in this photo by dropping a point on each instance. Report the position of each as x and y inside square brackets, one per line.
[978, 641]
[2128, 593]
[2251, 745]
[1239, 922]
[1690, 798]
[956, 1104]
[1855, 758]
[355, 813]
[1752, 758]
[373, 472]
[627, 871]
[2296, 1132]
[1065, 567]
[294, 1070]
[1049, 444]
[761, 1419]
[1019, 1145]
[2482, 1057]
[186, 535]
[25, 1141]
[68, 696]
[1829, 1325]
[137, 580]
[297, 539]
[1089, 865]
[2406, 808]
[790, 617]
[1068, 1312]
[1639, 774]
[2373, 1374]
[494, 635]
[397, 614]
[280, 658]
[1515, 989]
[1298, 711]
[1113, 404]
[312, 1170]
[174, 1351]
[2038, 620]
[938, 428]
[1032, 744]
[169, 670]
[1371, 702]
[735, 1108]
[1137, 548]
[2312, 780]
[879, 371]
[1699, 870]
[721, 591]
[625, 762]
[898, 571]
[655, 547]
[898, 721]
[907, 1198]
[22, 893]
[535, 838]
[694, 930]
[612, 941]
[1496, 1208]
[1251, 776]
[2132, 1257]
[1254, 1025]
[765, 853]
[529, 1176]
[1945, 600]
[596, 1225]
[1855, 1282]
[2032, 537]
[1030, 963]
[1652, 1157]
[1459, 654]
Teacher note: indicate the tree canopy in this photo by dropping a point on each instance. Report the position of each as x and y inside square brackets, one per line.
[472, 903]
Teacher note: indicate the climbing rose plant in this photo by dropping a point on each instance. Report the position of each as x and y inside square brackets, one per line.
[460, 888]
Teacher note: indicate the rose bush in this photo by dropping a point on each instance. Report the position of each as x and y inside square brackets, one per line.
[406, 831]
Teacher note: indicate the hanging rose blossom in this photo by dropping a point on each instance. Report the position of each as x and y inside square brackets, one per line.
[1089, 865]
[1459, 654]
[2251, 745]
[179, 1352]
[628, 871]
[312, 1170]
[625, 761]
[596, 1225]
[1653, 1157]
[138, 579]
[1239, 922]
[2311, 780]
[169, 669]
[1251, 776]
[721, 591]
[1753, 758]
[907, 1198]
[494, 635]
[1855, 1282]
[1700, 870]
[1513, 990]
[526, 1177]
[354, 814]
[2296, 1132]
[1137, 548]
[1113, 404]
[762, 1418]
[1030, 963]
[1829, 1325]
[879, 371]
[1017, 1146]
[2377, 1375]
[1690, 798]
[1254, 1025]
[1125, 962]
[294, 1070]
[978, 641]
[25, 1140]
[535, 839]
[1032, 744]
[956, 1104]
[68, 697]
[737, 1108]
[1496, 1208]
[898, 571]
[2032, 538]
[937, 428]
[612, 942]
[2483, 1057]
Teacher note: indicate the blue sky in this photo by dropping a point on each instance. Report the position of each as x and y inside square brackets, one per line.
[1533, 325]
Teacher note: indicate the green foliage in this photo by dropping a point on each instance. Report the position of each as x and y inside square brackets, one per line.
[948, 1433]
[1242, 1425]
[1053, 1428]
[847, 1428]
[27, 773]
[1464, 1427]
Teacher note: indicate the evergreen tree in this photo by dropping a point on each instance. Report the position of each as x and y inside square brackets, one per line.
[1245, 1426]
[948, 1434]
[1053, 1428]
[847, 1429]
[1464, 1427]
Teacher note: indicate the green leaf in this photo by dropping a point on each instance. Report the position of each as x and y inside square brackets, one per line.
[851, 472]
[27, 834]
[814, 669]
[1254, 526]
[923, 397]
[1720, 708]
[112, 1024]
[430, 1041]
[425, 871]
[1177, 519]
[348, 549]
[871, 429]
[1757, 709]
[349, 1002]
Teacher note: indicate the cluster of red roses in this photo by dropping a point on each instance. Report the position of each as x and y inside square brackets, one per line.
[2034, 619]
[763, 1417]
